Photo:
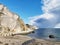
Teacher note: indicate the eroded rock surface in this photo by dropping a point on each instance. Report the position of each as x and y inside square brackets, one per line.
[11, 23]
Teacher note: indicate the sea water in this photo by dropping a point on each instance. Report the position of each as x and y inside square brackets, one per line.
[43, 33]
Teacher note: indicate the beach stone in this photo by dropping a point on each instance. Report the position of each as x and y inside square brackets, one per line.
[30, 42]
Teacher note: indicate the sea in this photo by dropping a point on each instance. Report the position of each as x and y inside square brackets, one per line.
[43, 33]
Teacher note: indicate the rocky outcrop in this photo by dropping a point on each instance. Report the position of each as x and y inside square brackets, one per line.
[11, 23]
[31, 27]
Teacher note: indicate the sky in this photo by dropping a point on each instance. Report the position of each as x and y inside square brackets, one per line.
[51, 16]
[41, 13]
[24, 8]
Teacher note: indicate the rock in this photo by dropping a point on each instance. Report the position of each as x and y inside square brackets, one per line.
[40, 42]
[11, 23]
[51, 36]
[29, 42]
[31, 27]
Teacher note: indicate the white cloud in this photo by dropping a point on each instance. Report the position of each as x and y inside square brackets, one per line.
[50, 4]
[44, 21]
[51, 16]
[57, 26]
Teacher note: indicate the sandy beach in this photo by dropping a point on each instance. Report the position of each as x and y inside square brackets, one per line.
[25, 40]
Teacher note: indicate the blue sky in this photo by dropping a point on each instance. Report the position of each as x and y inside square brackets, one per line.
[50, 17]
[24, 8]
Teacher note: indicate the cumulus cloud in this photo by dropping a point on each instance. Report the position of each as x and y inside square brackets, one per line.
[51, 16]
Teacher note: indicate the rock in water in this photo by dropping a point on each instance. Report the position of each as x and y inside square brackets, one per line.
[51, 36]
[11, 23]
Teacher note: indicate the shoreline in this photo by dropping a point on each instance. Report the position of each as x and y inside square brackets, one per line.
[25, 40]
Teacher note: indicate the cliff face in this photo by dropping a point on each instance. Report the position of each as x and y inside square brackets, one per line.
[10, 23]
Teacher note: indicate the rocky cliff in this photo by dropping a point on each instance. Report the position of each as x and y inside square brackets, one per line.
[11, 23]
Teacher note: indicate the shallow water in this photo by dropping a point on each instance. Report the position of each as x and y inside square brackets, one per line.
[45, 32]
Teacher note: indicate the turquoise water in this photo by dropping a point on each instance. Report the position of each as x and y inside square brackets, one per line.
[45, 32]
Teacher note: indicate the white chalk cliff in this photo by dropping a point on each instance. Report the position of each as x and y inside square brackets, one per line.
[11, 23]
